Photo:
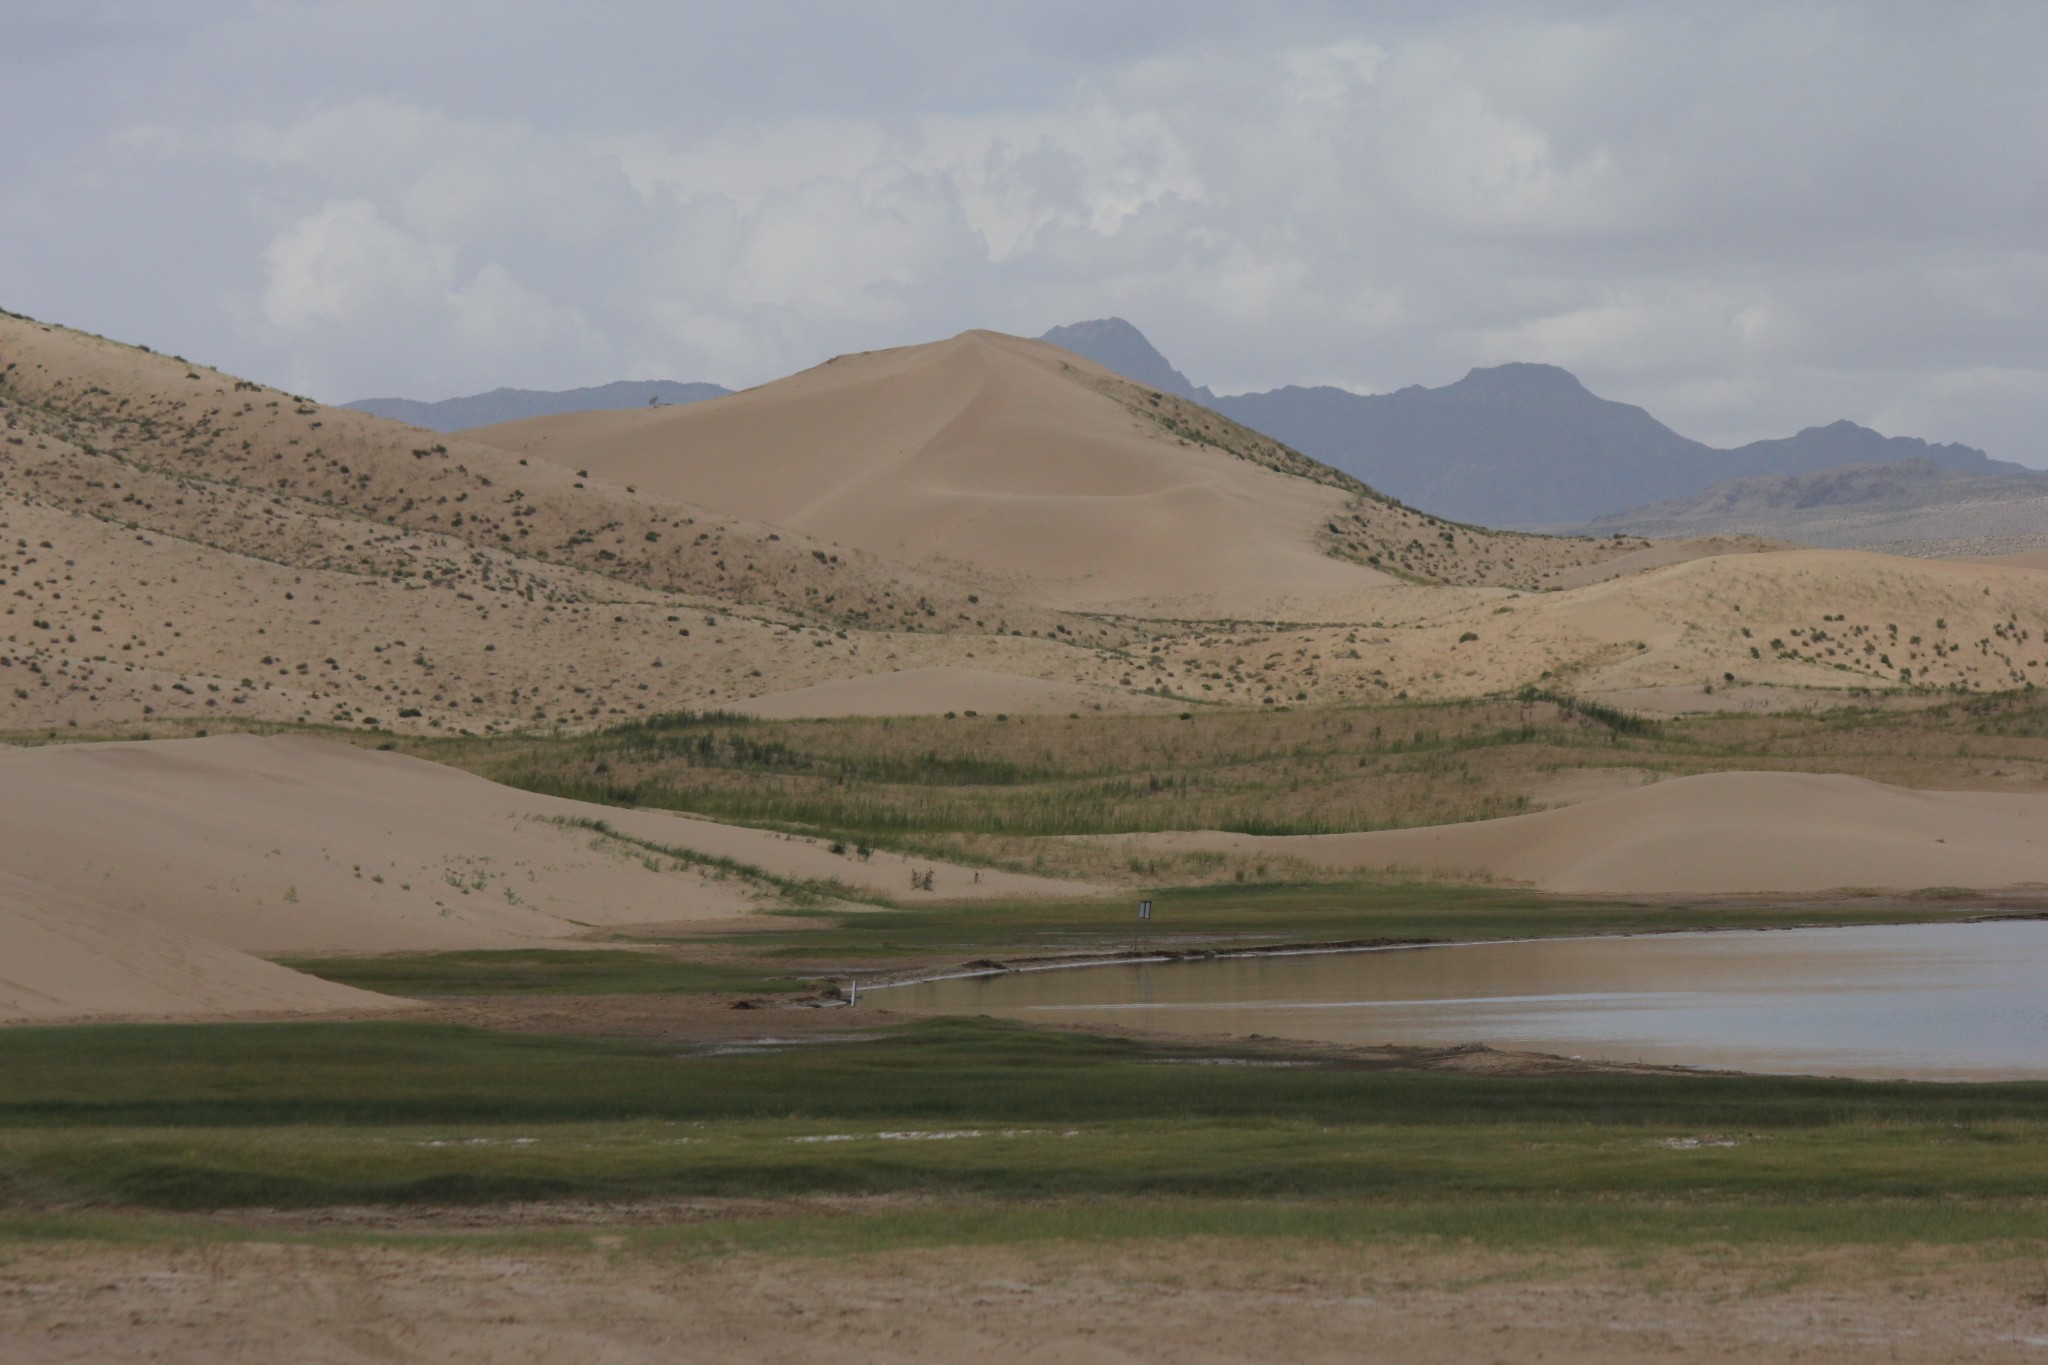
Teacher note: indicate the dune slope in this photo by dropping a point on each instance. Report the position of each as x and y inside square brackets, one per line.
[64, 957]
[157, 443]
[291, 845]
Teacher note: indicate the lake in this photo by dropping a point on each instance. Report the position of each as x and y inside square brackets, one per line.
[1932, 1001]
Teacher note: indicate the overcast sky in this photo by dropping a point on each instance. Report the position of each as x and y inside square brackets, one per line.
[1746, 217]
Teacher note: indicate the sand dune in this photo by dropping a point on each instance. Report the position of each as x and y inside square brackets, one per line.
[64, 957]
[934, 691]
[201, 548]
[984, 450]
[289, 845]
[1036, 469]
[1721, 833]
[157, 443]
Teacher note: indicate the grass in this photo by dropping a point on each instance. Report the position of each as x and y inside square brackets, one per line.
[540, 971]
[1059, 1135]
[995, 787]
[306, 1115]
[226, 1075]
[793, 891]
[1199, 1160]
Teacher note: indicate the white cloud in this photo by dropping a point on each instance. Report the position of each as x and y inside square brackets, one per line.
[346, 264]
[1462, 162]
[347, 272]
[1088, 165]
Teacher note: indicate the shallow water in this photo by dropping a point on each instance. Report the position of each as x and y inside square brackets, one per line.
[1966, 1001]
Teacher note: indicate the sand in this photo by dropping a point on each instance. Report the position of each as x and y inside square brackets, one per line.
[935, 691]
[178, 544]
[63, 957]
[138, 878]
[175, 542]
[1717, 834]
[1790, 628]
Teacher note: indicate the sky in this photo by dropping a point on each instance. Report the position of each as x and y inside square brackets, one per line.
[1746, 217]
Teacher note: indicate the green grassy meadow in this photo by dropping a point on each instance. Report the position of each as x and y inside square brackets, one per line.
[1014, 1134]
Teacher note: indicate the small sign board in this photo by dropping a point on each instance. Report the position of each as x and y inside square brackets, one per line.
[1144, 909]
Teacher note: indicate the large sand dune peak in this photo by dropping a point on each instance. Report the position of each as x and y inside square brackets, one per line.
[984, 450]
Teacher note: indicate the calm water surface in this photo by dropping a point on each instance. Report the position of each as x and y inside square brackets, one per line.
[1920, 1000]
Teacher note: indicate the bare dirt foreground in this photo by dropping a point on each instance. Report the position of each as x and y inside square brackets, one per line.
[1200, 1300]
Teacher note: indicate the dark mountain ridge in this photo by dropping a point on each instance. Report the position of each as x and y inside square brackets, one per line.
[1511, 445]
[1116, 345]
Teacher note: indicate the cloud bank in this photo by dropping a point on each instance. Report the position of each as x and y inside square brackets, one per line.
[1747, 217]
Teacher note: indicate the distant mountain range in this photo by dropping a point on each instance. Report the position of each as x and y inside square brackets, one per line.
[1510, 445]
[511, 405]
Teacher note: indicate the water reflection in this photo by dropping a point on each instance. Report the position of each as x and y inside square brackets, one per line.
[1930, 1000]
